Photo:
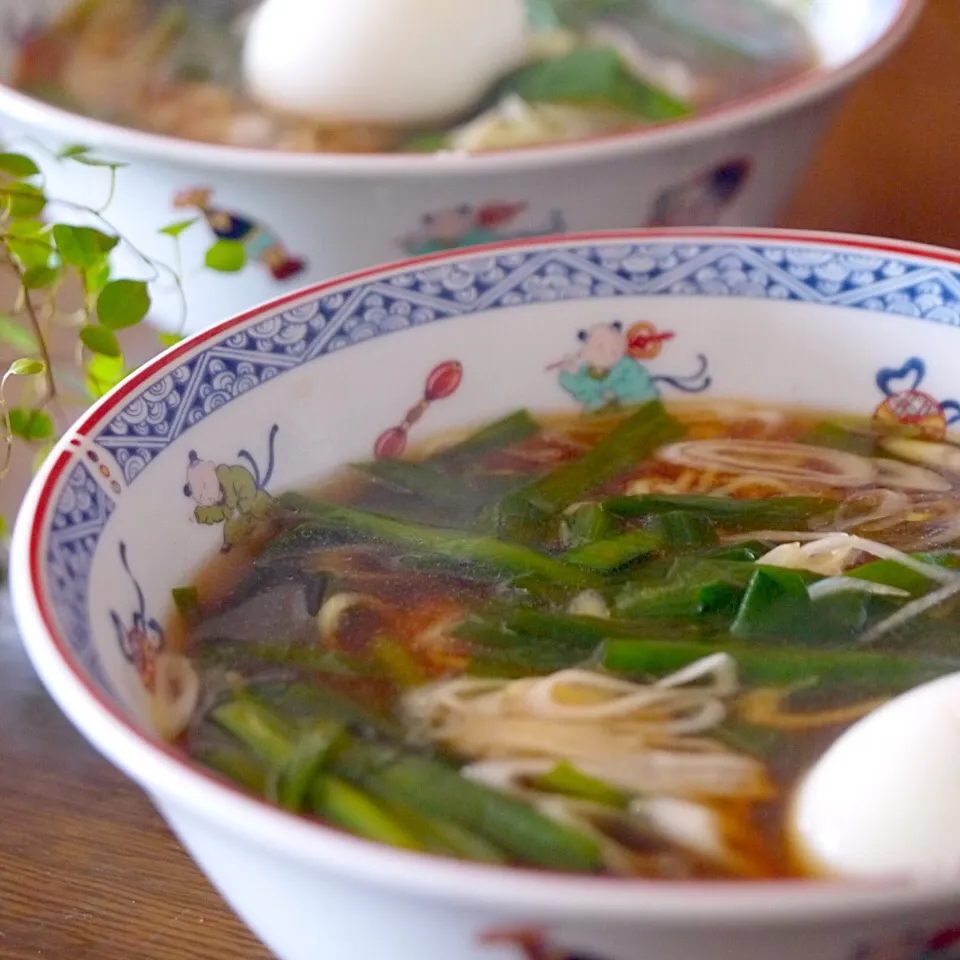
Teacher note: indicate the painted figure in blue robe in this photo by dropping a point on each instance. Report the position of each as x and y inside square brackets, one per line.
[702, 200]
[260, 244]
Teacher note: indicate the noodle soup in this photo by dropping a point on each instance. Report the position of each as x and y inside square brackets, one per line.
[175, 69]
[604, 644]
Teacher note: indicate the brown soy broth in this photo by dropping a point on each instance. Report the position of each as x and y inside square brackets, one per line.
[411, 605]
[743, 55]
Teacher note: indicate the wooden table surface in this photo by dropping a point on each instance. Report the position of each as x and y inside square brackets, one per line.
[88, 871]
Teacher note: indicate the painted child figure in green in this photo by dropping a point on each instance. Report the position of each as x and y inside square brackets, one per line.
[602, 373]
[231, 494]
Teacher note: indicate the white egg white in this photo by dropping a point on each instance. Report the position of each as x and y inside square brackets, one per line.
[884, 800]
[391, 62]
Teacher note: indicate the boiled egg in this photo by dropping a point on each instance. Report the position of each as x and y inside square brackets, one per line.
[884, 800]
[395, 62]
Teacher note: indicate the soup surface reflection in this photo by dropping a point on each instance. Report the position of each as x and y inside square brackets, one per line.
[605, 644]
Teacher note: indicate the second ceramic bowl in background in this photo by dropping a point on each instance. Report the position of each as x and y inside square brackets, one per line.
[305, 217]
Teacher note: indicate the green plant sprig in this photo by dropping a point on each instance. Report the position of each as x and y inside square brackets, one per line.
[45, 255]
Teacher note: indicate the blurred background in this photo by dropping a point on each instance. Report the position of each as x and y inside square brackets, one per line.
[890, 165]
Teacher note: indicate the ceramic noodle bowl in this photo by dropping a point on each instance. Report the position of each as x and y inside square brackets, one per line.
[359, 368]
[302, 218]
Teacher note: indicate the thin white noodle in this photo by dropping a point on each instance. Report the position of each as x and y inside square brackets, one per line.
[508, 776]
[651, 772]
[748, 480]
[687, 823]
[890, 504]
[691, 825]
[948, 534]
[731, 410]
[911, 611]
[176, 696]
[329, 616]
[793, 556]
[512, 736]
[835, 585]
[884, 552]
[823, 543]
[438, 633]
[589, 603]
[537, 697]
[721, 666]
[585, 717]
[576, 813]
[707, 715]
[893, 473]
[775, 536]
[838, 468]
[946, 456]
[428, 704]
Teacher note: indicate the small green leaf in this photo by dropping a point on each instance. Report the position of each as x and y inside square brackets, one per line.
[72, 151]
[26, 367]
[96, 278]
[17, 165]
[227, 256]
[29, 241]
[3, 525]
[15, 333]
[107, 241]
[31, 252]
[27, 228]
[89, 161]
[169, 339]
[23, 199]
[82, 247]
[30, 424]
[175, 229]
[548, 15]
[428, 142]
[123, 303]
[100, 340]
[590, 76]
[40, 278]
[103, 374]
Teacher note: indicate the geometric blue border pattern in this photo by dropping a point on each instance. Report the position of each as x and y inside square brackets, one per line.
[82, 512]
[242, 360]
[246, 359]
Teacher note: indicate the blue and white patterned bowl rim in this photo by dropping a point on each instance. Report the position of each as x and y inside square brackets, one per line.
[68, 509]
[187, 384]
